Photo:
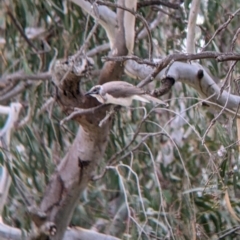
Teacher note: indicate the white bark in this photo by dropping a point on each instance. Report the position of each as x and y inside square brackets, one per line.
[191, 29]
[105, 17]
[5, 134]
[188, 74]
[129, 25]
[7, 233]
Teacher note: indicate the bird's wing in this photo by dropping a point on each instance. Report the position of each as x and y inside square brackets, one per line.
[122, 89]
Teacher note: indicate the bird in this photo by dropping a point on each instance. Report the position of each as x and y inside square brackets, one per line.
[121, 93]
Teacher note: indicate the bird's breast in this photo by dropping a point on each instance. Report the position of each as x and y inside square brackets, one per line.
[99, 98]
[126, 101]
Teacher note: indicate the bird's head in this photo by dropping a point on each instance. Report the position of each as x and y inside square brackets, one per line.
[94, 90]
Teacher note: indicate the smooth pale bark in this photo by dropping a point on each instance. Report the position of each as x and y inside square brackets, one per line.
[106, 17]
[191, 28]
[188, 74]
[73, 174]
[5, 139]
[7, 233]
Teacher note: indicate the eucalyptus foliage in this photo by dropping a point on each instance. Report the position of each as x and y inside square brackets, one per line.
[156, 188]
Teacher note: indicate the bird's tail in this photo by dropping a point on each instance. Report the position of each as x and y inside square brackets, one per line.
[154, 100]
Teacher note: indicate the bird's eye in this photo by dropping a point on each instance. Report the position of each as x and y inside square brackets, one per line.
[96, 91]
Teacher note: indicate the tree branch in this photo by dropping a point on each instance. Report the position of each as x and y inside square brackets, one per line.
[220, 28]
[191, 28]
[5, 134]
[7, 232]
[192, 74]
[104, 15]
[157, 2]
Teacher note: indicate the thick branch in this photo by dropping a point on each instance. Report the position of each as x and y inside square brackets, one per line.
[104, 15]
[163, 63]
[77, 167]
[73, 174]
[192, 74]
[5, 135]
[7, 232]
[192, 26]
[113, 70]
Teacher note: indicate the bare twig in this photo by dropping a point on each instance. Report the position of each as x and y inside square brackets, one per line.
[158, 2]
[125, 58]
[174, 16]
[47, 105]
[235, 37]
[115, 156]
[220, 28]
[214, 120]
[112, 111]
[18, 89]
[21, 76]
[142, 32]
[102, 48]
[80, 112]
[229, 232]
[227, 78]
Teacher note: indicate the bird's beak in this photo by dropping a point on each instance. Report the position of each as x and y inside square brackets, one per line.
[88, 93]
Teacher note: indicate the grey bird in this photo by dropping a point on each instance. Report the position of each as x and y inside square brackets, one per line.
[121, 93]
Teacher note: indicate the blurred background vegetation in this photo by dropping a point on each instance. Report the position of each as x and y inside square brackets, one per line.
[159, 188]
